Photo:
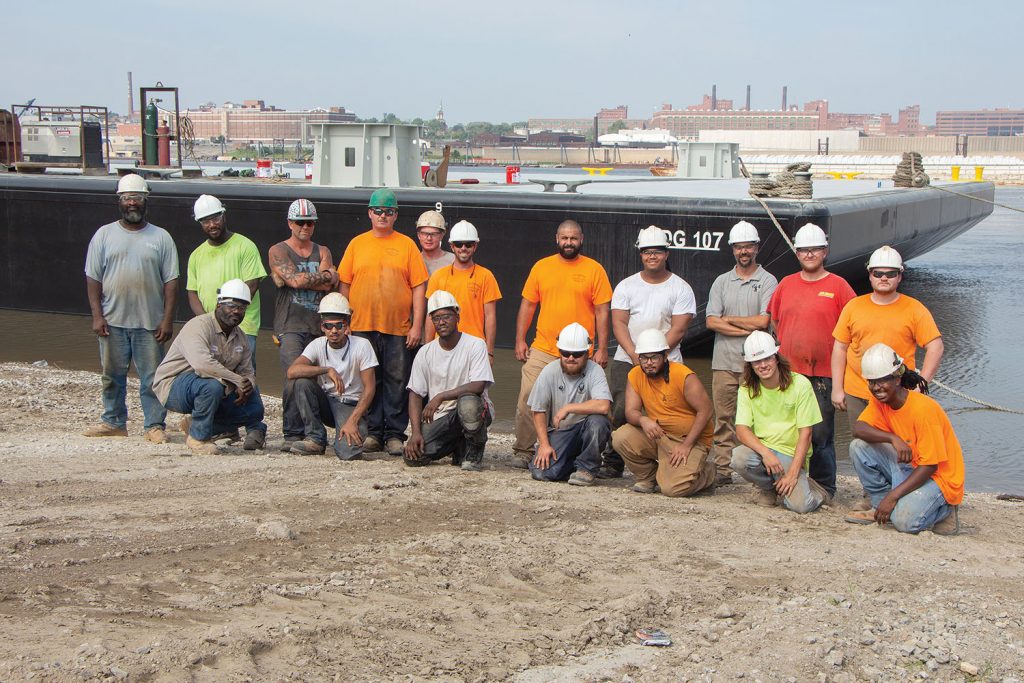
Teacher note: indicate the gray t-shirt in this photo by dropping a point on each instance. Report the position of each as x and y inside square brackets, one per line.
[132, 266]
[555, 389]
[445, 259]
[732, 295]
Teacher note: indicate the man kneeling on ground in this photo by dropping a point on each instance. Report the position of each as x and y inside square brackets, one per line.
[904, 450]
[334, 384]
[570, 403]
[453, 372]
[665, 446]
[207, 375]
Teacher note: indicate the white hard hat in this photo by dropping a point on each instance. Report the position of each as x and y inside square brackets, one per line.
[132, 182]
[573, 337]
[652, 236]
[207, 205]
[441, 299]
[463, 231]
[759, 345]
[302, 210]
[880, 361]
[810, 236]
[885, 257]
[651, 341]
[431, 219]
[234, 289]
[335, 303]
[743, 232]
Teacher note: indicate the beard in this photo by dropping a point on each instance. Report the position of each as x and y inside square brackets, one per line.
[133, 216]
[569, 251]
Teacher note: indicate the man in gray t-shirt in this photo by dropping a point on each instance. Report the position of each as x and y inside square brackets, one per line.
[131, 275]
[570, 402]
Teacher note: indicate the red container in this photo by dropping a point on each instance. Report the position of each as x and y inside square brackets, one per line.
[511, 175]
[424, 167]
[263, 167]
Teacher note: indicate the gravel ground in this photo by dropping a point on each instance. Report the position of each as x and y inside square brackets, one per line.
[124, 560]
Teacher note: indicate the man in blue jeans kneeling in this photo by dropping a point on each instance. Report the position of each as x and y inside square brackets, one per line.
[207, 375]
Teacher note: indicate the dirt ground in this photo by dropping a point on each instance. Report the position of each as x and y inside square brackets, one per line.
[123, 560]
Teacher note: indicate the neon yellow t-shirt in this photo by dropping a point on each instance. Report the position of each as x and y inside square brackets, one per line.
[209, 267]
[776, 416]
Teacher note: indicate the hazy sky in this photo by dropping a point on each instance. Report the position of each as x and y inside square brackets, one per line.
[507, 61]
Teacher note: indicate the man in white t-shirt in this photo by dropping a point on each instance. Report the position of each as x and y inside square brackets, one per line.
[451, 374]
[334, 384]
[654, 298]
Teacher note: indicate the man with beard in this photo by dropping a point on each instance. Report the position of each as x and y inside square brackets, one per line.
[131, 276]
[473, 286]
[737, 306]
[224, 256]
[568, 287]
[208, 376]
[303, 272]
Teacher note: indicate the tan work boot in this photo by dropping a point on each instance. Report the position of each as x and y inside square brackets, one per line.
[860, 516]
[104, 429]
[185, 424]
[861, 505]
[645, 486]
[201, 447]
[826, 499]
[155, 435]
[766, 498]
[950, 526]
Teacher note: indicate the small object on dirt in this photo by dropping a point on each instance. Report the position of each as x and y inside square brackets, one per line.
[275, 530]
[969, 669]
[653, 636]
[41, 364]
[1012, 497]
[401, 483]
[725, 612]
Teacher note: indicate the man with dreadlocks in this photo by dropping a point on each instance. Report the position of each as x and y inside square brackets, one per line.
[665, 445]
[905, 452]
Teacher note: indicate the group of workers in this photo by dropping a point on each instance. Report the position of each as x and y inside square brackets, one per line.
[394, 348]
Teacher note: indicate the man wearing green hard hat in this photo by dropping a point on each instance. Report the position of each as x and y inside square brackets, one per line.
[384, 278]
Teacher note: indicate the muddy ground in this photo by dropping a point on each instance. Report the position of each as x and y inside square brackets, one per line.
[123, 560]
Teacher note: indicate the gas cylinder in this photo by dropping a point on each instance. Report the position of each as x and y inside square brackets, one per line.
[149, 125]
[164, 144]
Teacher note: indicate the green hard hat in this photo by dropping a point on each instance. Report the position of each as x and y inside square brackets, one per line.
[383, 197]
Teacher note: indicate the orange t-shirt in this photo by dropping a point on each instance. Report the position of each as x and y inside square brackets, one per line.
[903, 325]
[472, 289]
[567, 292]
[382, 272]
[666, 403]
[923, 424]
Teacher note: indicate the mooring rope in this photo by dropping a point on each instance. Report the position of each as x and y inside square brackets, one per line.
[980, 199]
[972, 399]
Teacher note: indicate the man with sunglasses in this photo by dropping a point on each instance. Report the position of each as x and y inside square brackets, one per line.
[473, 286]
[451, 374]
[430, 228]
[383, 275]
[805, 308]
[570, 403]
[223, 256]
[334, 384]
[208, 376]
[303, 272]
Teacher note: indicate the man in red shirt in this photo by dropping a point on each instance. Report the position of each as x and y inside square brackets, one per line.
[804, 309]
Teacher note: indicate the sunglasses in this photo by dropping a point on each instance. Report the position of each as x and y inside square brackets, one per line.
[334, 326]
[462, 245]
[572, 354]
[377, 211]
[232, 305]
[303, 224]
[879, 274]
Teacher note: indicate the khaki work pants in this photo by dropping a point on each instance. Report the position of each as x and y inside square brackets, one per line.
[526, 434]
[725, 384]
[648, 459]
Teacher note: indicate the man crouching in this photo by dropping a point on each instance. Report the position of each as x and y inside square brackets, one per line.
[453, 372]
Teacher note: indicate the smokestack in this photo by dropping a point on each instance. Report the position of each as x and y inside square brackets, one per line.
[714, 98]
[784, 89]
[748, 98]
[595, 130]
[131, 99]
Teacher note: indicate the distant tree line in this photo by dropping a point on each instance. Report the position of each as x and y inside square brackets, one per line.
[438, 130]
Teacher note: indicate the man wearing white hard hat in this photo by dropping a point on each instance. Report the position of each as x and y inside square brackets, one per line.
[668, 436]
[334, 382]
[905, 451]
[473, 286]
[223, 256]
[570, 402]
[430, 229]
[737, 305]
[654, 298]
[775, 413]
[804, 309]
[208, 376]
[451, 375]
[131, 276]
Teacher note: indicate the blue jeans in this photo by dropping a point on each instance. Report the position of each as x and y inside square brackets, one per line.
[252, 348]
[292, 346]
[578, 447]
[880, 472]
[388, 415]
[749, 465]
[212, 412]
[823, 444]
[117, 351]
[317, 409]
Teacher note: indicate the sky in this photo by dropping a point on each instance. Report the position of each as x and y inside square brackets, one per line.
[509, 61]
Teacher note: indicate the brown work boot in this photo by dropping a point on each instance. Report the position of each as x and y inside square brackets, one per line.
[521, 461]
[155, 435]
[860, 516]
[826, 499]
[861, 505]
[307, 447]
[104, 429]
[950, 526]
[582, 478]
[371, 444]
[723, 479]
[766, 498]
[201, 447]
[645, 487]
[394, 446]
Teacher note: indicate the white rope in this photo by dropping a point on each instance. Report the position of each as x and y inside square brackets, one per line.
[978, 401]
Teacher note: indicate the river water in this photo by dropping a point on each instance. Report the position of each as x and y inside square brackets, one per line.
[970, 285]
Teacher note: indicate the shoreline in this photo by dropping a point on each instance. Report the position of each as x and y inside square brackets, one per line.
[124, 560]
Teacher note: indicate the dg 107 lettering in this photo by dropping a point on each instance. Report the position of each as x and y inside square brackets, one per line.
[699, 240]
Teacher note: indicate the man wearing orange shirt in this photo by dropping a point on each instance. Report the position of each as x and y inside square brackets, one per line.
[569, 288]
[383, 276]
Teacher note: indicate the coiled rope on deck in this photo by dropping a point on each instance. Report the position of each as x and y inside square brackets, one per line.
[187, 137]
